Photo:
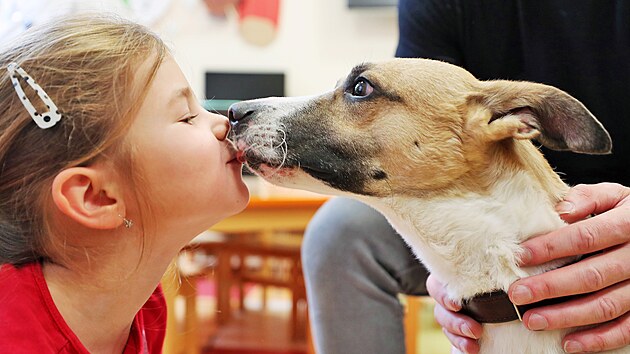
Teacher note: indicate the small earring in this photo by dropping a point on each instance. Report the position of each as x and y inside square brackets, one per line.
[128, 223]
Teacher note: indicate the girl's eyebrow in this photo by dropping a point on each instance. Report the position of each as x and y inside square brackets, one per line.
[184, 92]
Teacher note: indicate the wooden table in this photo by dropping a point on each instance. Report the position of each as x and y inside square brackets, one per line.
[276, 212]
[270, 208]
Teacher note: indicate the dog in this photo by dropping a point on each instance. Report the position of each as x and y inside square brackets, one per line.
[447, 158]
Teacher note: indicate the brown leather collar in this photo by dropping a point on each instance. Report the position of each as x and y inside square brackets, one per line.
[496, 307]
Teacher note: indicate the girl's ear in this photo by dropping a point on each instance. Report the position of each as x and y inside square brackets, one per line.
[88, 197]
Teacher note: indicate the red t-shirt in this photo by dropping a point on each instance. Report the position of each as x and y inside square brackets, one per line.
[31, 323]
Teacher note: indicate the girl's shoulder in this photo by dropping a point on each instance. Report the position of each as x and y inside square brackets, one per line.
[28, 323]
[18, 287]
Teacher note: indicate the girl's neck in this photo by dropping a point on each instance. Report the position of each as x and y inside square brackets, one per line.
[100, 298]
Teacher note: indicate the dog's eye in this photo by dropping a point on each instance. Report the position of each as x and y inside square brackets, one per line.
[362, 88]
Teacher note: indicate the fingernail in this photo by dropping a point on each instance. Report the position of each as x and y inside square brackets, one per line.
[564, 207]
[525, 256]
[467, 331]
[572, 346]
[451, 305]
[521, 295]
[537, 322]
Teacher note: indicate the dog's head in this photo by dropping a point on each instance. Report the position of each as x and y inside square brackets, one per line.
[405, 126]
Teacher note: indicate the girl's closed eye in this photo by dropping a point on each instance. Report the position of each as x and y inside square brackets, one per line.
[188, 119]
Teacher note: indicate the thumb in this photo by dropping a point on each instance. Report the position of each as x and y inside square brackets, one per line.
[586, 199]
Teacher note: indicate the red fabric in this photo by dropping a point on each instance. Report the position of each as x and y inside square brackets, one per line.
[31, 323]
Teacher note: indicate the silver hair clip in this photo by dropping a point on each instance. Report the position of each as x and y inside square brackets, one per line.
[44, 120]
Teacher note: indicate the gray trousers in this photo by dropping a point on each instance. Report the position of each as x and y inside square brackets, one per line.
[355, 265]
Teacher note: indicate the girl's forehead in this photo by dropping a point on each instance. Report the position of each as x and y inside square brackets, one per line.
[166, 98]
[169, 77]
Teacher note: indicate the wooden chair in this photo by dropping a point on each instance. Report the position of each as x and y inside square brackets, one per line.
[181, 282]
[231, 269]
[279, 266]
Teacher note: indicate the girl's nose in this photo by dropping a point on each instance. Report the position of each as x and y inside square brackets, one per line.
[220, 127]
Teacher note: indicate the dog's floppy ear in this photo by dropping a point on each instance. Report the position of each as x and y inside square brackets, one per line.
[526, 110]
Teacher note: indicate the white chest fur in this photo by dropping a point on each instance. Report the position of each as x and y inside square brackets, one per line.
[471, 242]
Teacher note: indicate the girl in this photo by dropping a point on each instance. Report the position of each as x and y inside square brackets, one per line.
[108, 167]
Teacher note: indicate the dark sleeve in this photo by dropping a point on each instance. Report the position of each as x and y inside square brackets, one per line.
[430, 29]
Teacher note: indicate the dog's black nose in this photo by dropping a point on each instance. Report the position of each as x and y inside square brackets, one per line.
[238, 112]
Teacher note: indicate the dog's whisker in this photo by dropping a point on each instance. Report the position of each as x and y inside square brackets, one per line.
[283, 147]
[285, 152]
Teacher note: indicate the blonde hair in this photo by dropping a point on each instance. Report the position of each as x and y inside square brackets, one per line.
[87, 65]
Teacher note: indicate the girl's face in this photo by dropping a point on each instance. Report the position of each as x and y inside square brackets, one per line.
[192, 176]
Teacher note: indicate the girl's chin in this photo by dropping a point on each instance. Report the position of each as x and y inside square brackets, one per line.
[241, 198]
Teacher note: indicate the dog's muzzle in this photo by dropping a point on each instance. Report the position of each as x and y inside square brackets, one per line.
[258, 136]
[280, 135]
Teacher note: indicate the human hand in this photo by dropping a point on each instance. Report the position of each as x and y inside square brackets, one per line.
[602, 280]
[462, 331]
[218, 7]
[605, 276]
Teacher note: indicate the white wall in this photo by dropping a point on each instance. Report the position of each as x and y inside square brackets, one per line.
[317, 43]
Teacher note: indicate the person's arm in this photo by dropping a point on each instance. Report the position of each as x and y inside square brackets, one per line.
[602, 281]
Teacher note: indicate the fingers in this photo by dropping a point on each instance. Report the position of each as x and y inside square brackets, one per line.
[438, 293]
[604, 277]
[612, 335]
[583, 237]
[461, 344]
[462, 331]
[589, 275]
[600, 307]
[611, 227]
[456, 323]
[586, 199]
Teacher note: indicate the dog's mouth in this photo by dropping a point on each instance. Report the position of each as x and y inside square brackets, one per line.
[268, 167]
[316, 172]
[257, 161]
[260, 145]
[288, 158]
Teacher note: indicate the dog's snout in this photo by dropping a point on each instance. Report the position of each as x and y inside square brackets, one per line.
[237, 113]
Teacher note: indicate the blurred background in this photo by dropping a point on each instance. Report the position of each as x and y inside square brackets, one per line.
[315, 41]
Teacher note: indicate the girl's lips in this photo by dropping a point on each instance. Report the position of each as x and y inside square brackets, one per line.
[235, 153]
[240, 156]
